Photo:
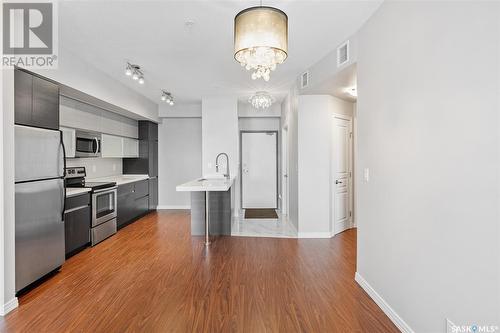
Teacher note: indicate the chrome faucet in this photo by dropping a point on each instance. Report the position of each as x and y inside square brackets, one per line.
[227, 164]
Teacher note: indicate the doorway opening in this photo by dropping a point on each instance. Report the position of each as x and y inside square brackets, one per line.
[260, 175]
[259, 169]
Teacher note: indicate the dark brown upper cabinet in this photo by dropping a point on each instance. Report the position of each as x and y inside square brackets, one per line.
[147, 162]
[36, 101]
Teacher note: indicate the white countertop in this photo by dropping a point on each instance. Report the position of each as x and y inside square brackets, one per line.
[73, 191]
[210, 185]
[120, 179]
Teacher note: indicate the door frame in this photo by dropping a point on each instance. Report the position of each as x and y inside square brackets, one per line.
[284, 171]
[241, 163]
[351, 173]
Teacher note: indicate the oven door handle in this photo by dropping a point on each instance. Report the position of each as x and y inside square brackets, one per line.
[107, 189]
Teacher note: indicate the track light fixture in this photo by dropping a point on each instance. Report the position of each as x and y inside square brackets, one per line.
[135, 72]
[167, 97]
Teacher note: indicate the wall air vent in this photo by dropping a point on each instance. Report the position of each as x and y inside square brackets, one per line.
[343, 54]
[304, 80]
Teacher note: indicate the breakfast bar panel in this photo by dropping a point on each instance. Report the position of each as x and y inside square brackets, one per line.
[219, 210]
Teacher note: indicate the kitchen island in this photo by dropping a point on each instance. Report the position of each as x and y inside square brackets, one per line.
[210, 206]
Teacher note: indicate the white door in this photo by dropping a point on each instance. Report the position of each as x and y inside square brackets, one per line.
[341, 174]
[259, 169]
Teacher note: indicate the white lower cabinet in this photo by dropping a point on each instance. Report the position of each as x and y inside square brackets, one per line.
[117, 146]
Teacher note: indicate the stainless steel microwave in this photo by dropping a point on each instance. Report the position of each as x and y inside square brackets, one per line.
[88, 144]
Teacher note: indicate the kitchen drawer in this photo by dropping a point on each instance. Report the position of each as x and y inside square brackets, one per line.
[76, 230]
[78, 201]
[141, 188]
[125, 189]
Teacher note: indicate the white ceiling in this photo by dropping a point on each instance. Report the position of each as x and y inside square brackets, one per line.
[198, 61]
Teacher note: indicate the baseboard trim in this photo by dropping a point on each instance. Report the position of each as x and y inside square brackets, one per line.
[314, 235]
[388, 310]
[174, 207]
[9, 306]
[293, 227]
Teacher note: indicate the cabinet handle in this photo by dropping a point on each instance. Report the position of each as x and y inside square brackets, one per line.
[75, 209]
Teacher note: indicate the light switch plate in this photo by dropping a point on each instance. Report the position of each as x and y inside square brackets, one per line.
[367, 174]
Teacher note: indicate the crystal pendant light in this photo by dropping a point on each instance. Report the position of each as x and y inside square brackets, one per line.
[261, 100]
[261, 39]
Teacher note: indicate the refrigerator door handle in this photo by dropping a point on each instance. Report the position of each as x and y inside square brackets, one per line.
[64, 171]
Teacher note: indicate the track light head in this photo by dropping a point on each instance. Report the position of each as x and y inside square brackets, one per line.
[167, 97]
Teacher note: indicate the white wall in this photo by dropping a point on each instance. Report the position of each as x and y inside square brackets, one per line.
[219, 132]
[77, 74]
[289, 116]
[315, 125]
[179, 159]
[8, 235]
[2, 219]
[428, 130]
[259, 124]
[97, 167]
[180, 110]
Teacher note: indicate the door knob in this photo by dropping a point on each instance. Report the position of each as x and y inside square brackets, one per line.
[338, 182]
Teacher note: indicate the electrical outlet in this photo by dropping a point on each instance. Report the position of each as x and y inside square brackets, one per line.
[366, 175]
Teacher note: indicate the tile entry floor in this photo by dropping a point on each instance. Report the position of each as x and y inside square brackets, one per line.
[279, 228]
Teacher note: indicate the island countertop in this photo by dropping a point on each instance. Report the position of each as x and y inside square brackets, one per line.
[204, 184]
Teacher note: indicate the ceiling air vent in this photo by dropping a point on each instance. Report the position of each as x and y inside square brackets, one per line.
[343, 54]
[304, 80]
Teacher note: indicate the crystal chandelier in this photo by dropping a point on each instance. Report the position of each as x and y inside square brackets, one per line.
[261, 100]
[260, 39]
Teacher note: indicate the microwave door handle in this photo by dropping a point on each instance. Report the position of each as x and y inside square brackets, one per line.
[96, 146]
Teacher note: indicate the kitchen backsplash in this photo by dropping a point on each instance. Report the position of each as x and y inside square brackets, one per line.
[97, 167]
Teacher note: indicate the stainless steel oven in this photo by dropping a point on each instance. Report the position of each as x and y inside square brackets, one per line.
[88, 144]
[103, 205]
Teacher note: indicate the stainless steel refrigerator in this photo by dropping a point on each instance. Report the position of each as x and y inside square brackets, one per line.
[39, 201]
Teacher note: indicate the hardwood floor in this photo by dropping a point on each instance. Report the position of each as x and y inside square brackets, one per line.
[153, 277]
